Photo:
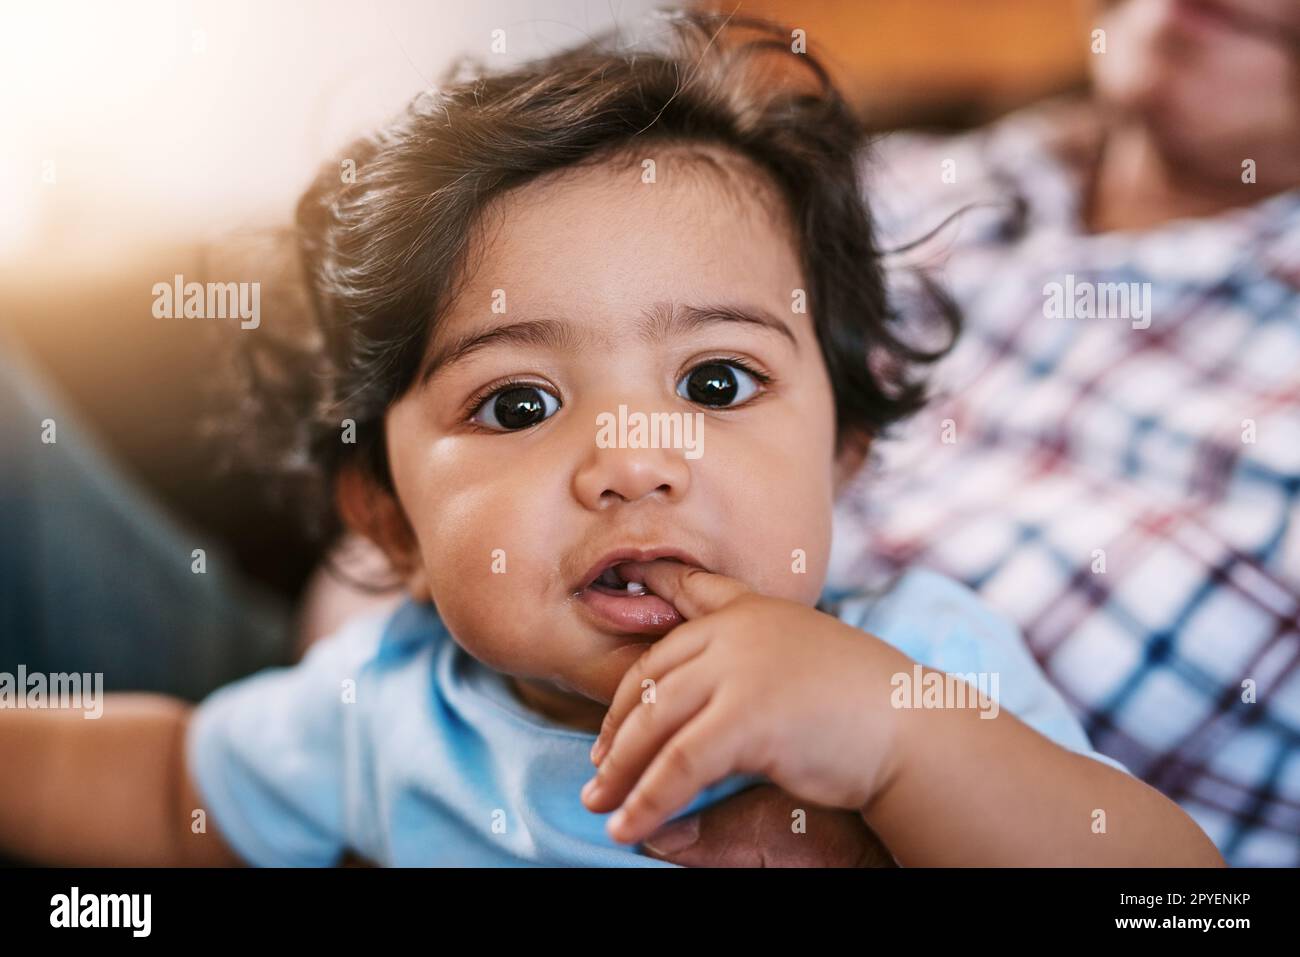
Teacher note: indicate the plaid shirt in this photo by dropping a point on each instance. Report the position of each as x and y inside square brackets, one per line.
[1128, 495]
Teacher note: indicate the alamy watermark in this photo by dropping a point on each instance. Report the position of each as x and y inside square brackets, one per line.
[130, 911]
[37, 690]
[1080, 299]
[656, 430]
[213, 300]
[938, 689]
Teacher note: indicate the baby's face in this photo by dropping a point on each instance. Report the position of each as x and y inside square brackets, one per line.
[592, 290]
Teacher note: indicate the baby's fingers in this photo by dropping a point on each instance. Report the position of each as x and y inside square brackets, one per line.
[700, 754]
[672, 651]
[676, 699]
[693, 591]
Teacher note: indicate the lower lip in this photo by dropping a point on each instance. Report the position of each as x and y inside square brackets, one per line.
[639, 615]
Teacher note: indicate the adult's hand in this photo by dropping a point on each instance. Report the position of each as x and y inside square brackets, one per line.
[754, 829]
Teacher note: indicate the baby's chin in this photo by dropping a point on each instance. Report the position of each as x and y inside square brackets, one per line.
[577, 699]
[568, 656]
[597, 677]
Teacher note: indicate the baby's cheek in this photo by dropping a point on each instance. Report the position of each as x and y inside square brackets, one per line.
[489, 620]
[472, 569]
[493, 564]
[467, 600]
[786, 554]
[799, 579]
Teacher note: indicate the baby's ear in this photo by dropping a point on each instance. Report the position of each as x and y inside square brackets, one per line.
[376, 513]
[851, 456]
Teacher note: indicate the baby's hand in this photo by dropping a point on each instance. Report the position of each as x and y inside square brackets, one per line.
[746, 684]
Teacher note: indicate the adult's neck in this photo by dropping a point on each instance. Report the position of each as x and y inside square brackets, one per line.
[1136, 185]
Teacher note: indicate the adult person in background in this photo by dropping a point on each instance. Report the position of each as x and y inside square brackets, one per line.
[1122, 476]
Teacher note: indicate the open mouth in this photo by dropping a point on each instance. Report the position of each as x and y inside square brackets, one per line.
[619, 580]
[618, 600]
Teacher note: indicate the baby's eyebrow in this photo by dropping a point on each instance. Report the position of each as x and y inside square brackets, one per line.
[660, 322]
[664, 321]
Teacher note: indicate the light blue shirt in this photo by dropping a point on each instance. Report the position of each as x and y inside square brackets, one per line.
[389, 739]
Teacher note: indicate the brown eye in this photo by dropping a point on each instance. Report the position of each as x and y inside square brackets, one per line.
[717, 384]
[517, 407]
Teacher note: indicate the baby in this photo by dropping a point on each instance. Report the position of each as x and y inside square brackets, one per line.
[521, 259]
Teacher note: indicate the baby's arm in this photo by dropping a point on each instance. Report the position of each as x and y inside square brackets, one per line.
[979, 792]
[750, 683]
[109, 791]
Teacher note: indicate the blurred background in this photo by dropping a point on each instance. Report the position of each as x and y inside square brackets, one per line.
[143, 139]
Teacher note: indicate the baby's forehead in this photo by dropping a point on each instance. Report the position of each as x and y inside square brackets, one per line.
[685, 185]
[668, 220]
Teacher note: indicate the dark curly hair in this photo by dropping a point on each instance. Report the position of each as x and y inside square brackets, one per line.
[382, 257]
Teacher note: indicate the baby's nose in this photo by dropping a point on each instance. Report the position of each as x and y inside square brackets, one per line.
[610, 474]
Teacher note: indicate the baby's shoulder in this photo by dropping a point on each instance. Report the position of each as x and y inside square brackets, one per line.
[931, 618]
[942, 624]
[386, 637]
